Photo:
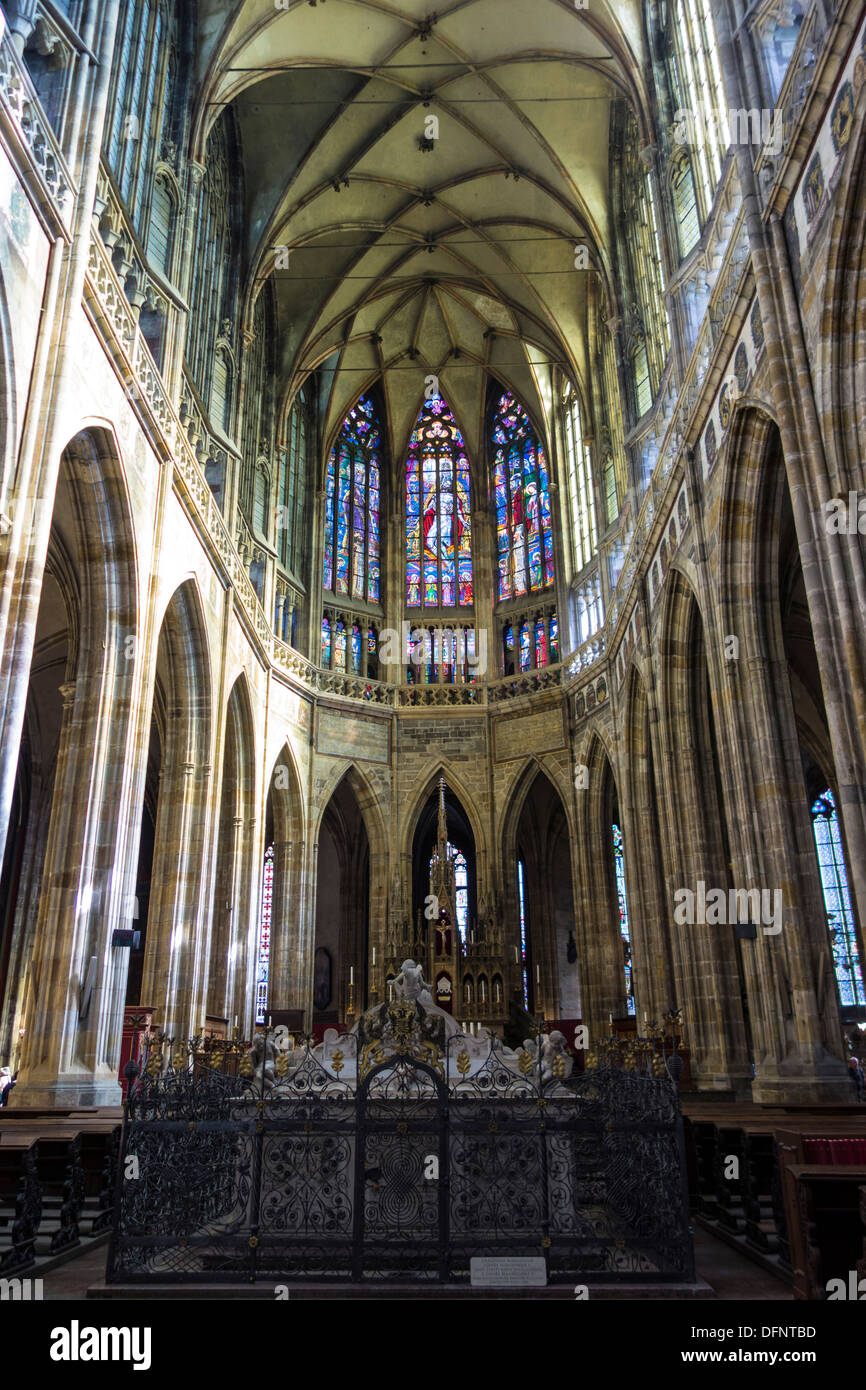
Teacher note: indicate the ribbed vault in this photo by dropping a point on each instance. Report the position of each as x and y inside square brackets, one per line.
[405, 261]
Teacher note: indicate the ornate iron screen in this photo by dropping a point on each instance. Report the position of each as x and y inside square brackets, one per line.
[404, 1177]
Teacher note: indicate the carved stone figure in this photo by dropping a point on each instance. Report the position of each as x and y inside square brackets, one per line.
[554, 1046]
[410, 983]
[263, 1054]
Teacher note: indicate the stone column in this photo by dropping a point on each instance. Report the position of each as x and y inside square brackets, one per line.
[73, 1025]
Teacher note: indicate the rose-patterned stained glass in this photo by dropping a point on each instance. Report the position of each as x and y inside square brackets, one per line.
[625, 930]
[837, 902]
[523, 530]
[351, 563]
[438, 512]
[265, 936]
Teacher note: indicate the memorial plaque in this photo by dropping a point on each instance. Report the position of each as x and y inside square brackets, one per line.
[521, 1272]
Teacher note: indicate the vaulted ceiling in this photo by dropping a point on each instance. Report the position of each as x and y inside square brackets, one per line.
[405, 261]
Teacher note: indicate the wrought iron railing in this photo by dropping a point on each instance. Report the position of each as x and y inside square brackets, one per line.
[352, 1163]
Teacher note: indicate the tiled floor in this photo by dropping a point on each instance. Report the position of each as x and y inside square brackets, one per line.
[730, 1274]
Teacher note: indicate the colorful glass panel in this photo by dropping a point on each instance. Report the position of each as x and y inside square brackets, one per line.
[525, 648]
[524, 536]
[837, 902]
[351, 559]
[438, 512]
[625, 930]
[521, 897]
[340, 646]
[265, 936]
[326, 642]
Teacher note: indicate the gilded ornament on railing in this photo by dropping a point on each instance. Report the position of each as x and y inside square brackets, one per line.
[463, 1063]
[281, 1066]
[178, 1059]
[402, 1015]
[154, 1063]
[524, 1062]
[245, 1066]
[337, 1061]
[371, 1056]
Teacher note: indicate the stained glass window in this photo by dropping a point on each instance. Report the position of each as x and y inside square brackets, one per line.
[837, 902]
[356, 648]
[265, 936]
[461, 893]
[581, 493]
[540, 643]
[140, 98]
[625, 931]
[339, 645]
[438, 512]
[554, 640]
[352, 506]
[521, 898]
[524, 537]
[697, 77]
[525, 648]
[326, 642]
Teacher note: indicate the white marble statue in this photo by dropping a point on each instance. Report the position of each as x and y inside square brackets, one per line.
[554, 1045]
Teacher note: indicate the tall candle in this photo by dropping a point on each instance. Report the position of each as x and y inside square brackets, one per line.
[374, 955]
[351, 974]
[516, 957]
[538, 974]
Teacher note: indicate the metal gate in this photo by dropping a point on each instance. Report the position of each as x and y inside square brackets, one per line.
[402, 1179]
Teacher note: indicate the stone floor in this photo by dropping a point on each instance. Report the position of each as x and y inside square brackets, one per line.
[729, 1274]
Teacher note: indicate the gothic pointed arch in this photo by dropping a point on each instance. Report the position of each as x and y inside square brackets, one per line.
[229, 966]
[172, 974]
[73, 816]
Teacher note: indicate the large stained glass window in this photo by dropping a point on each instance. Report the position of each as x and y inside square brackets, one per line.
[438, 512]
[265, 937]
[521, 899]
[837, 902]
[625, 930]
[524, 537]
[352, 506]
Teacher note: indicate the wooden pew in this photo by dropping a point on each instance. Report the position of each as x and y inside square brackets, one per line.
[20, 1207]
[824, 1203]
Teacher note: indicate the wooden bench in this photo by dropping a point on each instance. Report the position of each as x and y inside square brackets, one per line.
[20, 1206]
[825, 1205]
